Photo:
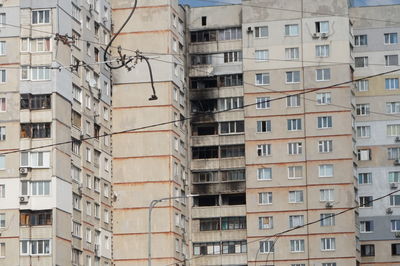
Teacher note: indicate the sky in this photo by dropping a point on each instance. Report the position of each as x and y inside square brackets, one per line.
[219, 2]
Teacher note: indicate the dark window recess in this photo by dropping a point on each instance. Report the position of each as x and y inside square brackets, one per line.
[203, 36]
[205, 152]
[201, 59]
[35, 102]
[33, 218]
[35, 130]
[232, 151]
[76, 119]
[203, 82]
[203, 21]
[233, 199]
[233, 223]
[205, 177]
[396, 249]
[96, 131]
[201, 201]
[205, 129]
[231, 80]
[204, 106]
[211, 224]
[367, 250]
[231, 247]
[233, 175]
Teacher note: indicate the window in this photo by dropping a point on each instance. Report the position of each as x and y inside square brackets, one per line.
[267, 246]
[392, 83]
[96, 210]
[367, 226]
[230, 34]
[393, 130]
[230, 57]
[393, 107]
[323, 74]
[294, 124]
[322, 50]
[297, 245]
[322, 26]
[329, 264]
[393, 153]
[391, 60]
[203, 59]
[40, 45]
[366, 178]
[264, 126]
[35, 130]
[327, 195]
[264, 149]
[395, 225]
[324, 122]
[325, 170]
[265, 222]
[264, 174]
[2, 220]
[232, 247]
[2, 191]
[2, 162]
[296, 221]
[395, 200]
[366, 201]
[88, 235]
[265, 198]
[3, 105]
[293, 101]
[88, 208]
[211, 224]
[106, 190]
[296, 196]
[264, 103]
[328, 244]
[76, 201]
[106, 216]
[327, 219]
[292, 30]
[360, 40]
[261, 32]
[2, 19]
[367, 250]
[361, 61]
[295, 148]
[293, 77]
[364, 154]
[35, 159]
[292, 53]
[35, 188]
[325, 146]
[395, 249]
[3, 76]
[391, 38]
[76, 229]
[210, 248]
[2, 48]
[295, 172]
[262, 79]
[233, 223]
[2, 250]
[362, 85]
[229, 151]
[324, 98]
[203, 36]
[35, 102]
[363, 131]
[262, 55]
[35, 247]
[88, 23]
[40, 16]
[40, 73]
[205, 177]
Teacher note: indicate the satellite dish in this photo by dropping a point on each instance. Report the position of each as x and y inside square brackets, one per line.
[92, 83]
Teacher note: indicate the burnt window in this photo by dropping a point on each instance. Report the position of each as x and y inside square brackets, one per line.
[367, 250]
[206, 152]
[233, 175]
[35, 130]
[210, 224]
[205, 129]
[33, 218]
[203, 21]
[203, 82]
[209, 105]
[203, 36]
[211, 200]
[35, 102]
[232, 151]
[96, 131]
[205, 177]
[234, 199]
[396, 249]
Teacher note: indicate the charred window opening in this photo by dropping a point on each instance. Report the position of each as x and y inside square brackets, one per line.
[201, 59]
[232, 151]
[35, 130]
[205, 177]
[205, 129]
[211, 224]
[223, 223]
[203, 82]
[33, 218]
[205, 152]
[209, 105]
[202, 201]
[233, 199]
[203, 36]
[35, 102]
[233, 175]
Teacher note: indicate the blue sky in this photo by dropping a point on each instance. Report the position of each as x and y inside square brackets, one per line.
[356, 2]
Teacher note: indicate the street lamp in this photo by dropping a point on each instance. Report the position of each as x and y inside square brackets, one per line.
[153, 203]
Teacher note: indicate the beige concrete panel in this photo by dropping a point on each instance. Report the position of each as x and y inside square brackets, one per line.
[341, 124]
[379, 156]
[342, 172]
[222, 259]
[215, 236]
[389, 12]
[345, 244]
[231, 15]
[37, 232]
[218, 140]
[221, 211]
[343, 223]
[137, 145]
[11, 228]
[11, 168]
[383, 253]
[12, 140]
[234, 115]
[12, 51]
[139, 170]
[61, 165]
[343, 196]
[377, 105]
[41, 59]
[37, 260]
[340, 148]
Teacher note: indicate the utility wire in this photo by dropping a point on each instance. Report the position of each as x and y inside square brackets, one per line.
[197, 116]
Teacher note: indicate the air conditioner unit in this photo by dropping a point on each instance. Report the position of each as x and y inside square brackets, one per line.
[397, 234]
[396, 162]
[397, 139]
[315, 35]
[23, 199]
[389, 211]
[23, 170]
[393, 185]
[324, 35]
[249, 30]
[329, 204]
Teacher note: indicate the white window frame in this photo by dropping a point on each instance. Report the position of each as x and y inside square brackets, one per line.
[262, 79]
[263, 103]
[292, 170]
[262, 55]
[265, 198]
[297, 245]
[324, 98]
[328, 244]
[325, 170]
[323, 74]
[264, 174]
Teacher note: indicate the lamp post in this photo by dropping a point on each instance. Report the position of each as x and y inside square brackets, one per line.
[153, 203]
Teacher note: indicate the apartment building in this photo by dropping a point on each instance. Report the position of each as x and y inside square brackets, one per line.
[151, 163]
[55, 201]
[377, 122]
